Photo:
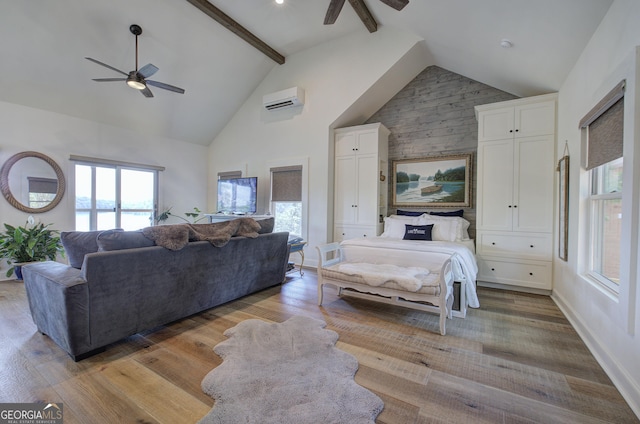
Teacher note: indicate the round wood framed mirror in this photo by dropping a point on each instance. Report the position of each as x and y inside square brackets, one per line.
[32, 182]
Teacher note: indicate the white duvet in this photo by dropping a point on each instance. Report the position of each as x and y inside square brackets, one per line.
[427, 254]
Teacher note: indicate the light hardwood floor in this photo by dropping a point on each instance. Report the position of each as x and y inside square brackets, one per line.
[514, 360]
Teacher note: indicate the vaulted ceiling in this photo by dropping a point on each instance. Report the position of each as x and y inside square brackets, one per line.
[44, 44]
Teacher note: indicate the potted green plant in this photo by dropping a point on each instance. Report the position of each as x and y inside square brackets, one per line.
[31, 243]
[195, 216]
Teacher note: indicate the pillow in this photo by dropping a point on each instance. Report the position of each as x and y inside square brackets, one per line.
[394, 225]
[447, 228]
[119, 239]
[266, 225]
[408, 213]
[417, 232]
[459, 213]
[77, 244]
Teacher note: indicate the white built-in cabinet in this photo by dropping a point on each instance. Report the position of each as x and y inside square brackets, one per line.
[515, 193]
[360, 180]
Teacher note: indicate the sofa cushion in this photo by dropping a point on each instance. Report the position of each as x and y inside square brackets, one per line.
[77, 244]
[266, 225]
[118, 240]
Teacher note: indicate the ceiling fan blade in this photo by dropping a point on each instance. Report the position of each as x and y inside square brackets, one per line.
[106, 66]
[165, 86]
[396, 4]
[146, 92]
[147, 70]
[364, 14]
[109, 79]
[333, 11]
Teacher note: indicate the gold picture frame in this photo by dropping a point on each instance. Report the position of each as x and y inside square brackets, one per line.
[440, 181]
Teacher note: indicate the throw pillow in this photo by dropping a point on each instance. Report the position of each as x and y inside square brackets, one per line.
[77, 244]
[418, 232]
[459, 213]
[408, 213]
[119, 239]
[266, 225]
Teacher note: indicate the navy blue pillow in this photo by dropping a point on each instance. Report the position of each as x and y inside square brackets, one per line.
[409, 213]
[417, 232]
[459, 213]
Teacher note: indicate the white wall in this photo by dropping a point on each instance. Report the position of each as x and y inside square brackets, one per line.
[608, 323]
[334, 76]
[183, 183]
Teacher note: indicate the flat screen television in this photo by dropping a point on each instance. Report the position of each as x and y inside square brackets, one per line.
[238, 195]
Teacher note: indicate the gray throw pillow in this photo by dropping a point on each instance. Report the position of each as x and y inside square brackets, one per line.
[77, 244]
[119, 239]
[266, 225]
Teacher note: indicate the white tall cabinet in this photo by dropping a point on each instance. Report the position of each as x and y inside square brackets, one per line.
[516, 171]
[360, 180]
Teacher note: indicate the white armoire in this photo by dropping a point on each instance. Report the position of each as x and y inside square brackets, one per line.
[360, 181]
[515, 193]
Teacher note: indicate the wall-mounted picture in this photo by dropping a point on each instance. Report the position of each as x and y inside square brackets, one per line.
[440, 181]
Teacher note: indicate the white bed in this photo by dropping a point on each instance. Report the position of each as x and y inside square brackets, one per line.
[448, 242]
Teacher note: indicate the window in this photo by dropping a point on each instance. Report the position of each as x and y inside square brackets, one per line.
[606, 222]
[604, 136]
[114, 195]
[286, 198]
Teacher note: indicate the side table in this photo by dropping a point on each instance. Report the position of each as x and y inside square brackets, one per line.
[298, 246]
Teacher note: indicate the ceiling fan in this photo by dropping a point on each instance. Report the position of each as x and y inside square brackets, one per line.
[361, 9]
[137, 79]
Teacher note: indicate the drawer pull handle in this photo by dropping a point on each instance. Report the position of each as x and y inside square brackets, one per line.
[531, 245]
[493, 269]
[531, 273]
[493, 243]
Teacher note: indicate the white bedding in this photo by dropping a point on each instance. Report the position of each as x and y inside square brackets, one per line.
[427, 254]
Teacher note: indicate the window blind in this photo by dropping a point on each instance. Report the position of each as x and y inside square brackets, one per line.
[604, 124]
[286, 184]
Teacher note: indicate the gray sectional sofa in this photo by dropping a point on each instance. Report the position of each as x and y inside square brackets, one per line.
[130, 284]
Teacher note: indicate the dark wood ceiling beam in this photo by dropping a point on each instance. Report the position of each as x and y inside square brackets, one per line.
[364, 15]
[233, 26]
[333, 11]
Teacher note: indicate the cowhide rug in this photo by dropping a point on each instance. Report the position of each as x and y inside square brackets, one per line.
[288, 373]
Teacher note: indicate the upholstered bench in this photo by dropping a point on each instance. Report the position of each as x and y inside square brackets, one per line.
[433, 294]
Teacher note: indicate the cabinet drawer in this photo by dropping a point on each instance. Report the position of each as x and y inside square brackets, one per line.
[533, 274]
[534, 246]
[345, 232]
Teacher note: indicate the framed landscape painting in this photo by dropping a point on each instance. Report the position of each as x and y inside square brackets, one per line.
[433, 182]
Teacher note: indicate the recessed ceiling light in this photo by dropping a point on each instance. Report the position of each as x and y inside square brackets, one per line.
[279, 1]
[506, 43]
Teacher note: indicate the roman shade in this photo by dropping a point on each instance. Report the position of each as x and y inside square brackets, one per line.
[43, 185]
[604, 124]
[286, 184]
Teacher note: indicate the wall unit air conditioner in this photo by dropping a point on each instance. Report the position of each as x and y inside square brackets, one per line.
[284, 99]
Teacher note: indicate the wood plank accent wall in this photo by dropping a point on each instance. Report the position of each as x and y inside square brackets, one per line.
[433, 115]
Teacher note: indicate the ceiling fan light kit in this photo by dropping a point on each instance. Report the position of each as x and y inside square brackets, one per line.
[137, 79]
